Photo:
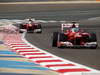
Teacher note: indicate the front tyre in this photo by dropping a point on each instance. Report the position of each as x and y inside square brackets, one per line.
[55, 39]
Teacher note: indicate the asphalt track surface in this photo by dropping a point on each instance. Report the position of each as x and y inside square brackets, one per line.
[85, 14]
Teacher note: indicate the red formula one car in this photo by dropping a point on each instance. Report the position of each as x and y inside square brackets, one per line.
[31, 26]
[72, 36]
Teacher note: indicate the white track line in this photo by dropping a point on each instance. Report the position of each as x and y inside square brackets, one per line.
[53, 2]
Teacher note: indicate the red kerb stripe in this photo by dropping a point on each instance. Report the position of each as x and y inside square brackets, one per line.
[33, 54]
[60, 65]
[29, 51]
[72, 70]
[40, 57]
[20, 46]
[23, 48]
[40, 61]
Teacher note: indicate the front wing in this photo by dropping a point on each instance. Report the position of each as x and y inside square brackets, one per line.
[69, 44]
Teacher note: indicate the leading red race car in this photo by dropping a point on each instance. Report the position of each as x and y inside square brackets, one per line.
[72, 36]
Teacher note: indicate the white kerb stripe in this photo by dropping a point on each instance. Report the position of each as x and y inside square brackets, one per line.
[73, 73]
[29, 52]
[25, 50]
[66, 67]
[15, 43]
[35, 59]
[20, 47]
[81, 73]
[53, 63]
[35, 55]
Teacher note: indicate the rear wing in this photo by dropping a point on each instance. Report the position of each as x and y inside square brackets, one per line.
[67, 26]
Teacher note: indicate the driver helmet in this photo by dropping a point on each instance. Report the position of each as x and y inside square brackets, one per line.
[30, 19]
[73, 24]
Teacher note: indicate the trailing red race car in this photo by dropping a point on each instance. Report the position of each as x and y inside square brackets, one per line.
[31, 26]
[72, 36]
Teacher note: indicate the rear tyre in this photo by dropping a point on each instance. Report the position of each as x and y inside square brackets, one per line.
[20, 31]
[55, 39]
[93, 38]
[22, 26]
[39, 27]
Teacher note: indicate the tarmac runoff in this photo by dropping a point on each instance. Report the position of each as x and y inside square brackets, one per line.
[52, 2]
[13, 64]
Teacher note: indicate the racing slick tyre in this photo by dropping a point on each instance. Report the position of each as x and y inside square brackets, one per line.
[20, 31]
[93, 38]
[21, 26]
[62, 38]
[55, 39]
[39, 27]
